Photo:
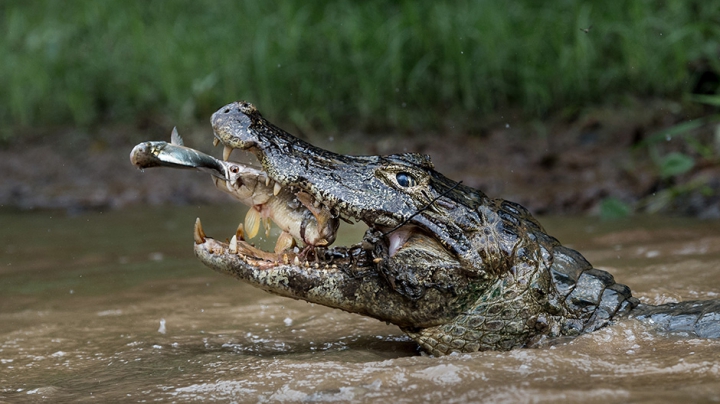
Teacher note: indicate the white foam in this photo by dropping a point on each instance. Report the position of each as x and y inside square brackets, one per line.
[441, 374]
[109, 313]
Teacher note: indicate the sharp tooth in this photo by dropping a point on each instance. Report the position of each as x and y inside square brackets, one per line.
[240, 232]
[199, 234]
[267, 181]
[286, 260]
[233, 245]
[316, 204]
[296, 261]
[252, 222]
[285, 241]
[226, 152]
[216, 142]
[277, 188]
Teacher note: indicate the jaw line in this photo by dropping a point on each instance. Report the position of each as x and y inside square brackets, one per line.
[395, 240]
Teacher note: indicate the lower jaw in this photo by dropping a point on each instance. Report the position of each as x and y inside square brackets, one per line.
[308, 257]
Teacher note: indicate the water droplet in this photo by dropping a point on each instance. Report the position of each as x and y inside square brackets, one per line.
[156, 256]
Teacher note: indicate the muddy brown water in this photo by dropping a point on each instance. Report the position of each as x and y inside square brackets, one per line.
[108, 307]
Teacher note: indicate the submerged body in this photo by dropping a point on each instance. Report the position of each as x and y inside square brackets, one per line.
[455, 270]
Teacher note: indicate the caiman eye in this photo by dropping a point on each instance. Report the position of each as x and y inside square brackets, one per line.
[405, 180]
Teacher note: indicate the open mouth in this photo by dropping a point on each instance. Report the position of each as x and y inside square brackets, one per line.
[307, 192]
[308, 225]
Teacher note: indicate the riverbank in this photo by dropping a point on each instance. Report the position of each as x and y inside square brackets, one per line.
[605, 161]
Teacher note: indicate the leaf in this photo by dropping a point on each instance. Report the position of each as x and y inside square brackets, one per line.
[675, 164]
[613, 208]
[681, 129]
[713, 100]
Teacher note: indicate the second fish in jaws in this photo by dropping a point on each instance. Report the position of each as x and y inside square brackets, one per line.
[294, 213]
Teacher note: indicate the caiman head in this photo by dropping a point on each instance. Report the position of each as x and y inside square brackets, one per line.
[452, 268]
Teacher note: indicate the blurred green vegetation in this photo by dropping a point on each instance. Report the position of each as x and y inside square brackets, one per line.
[326, 65]
[672, 166]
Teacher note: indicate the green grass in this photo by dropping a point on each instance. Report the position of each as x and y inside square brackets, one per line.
[332, 65]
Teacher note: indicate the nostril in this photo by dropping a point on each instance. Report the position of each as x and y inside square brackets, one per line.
[226, 111]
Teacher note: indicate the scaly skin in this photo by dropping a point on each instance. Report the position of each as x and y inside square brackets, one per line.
[455, 270]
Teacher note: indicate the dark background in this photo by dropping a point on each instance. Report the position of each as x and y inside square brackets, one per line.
[566, 107]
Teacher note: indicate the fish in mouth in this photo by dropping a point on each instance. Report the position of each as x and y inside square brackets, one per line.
[294, 213]
[455, 270]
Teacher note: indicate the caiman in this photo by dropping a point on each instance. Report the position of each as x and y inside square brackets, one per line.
[456, 270]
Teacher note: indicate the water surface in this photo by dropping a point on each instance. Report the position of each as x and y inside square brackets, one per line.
[106, 307]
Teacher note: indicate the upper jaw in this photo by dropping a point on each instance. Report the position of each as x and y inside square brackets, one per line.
[231, 125]
[240, 126]
[300, 166]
